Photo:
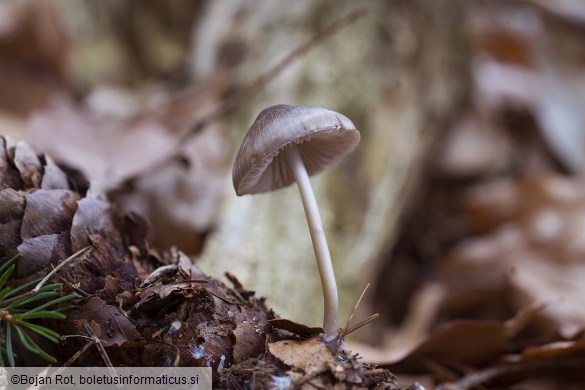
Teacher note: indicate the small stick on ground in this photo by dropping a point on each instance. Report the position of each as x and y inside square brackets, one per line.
[347, 330]
[76, 355]
[58, 267]
[70, 285]
[100, 347]
[44, 280]
[307, 380]
[361, 323]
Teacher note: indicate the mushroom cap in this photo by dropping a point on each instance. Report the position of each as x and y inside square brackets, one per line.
[322, 136]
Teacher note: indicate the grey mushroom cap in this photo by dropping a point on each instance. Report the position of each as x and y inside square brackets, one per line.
[323, 137]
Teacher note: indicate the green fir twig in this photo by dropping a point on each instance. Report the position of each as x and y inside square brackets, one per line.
[20, 307]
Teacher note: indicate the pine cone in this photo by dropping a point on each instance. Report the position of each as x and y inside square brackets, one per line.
[46, 217]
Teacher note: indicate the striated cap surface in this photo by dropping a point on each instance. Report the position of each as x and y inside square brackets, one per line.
[322, 136]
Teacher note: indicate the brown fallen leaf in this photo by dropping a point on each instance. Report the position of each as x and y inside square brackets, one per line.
[556, 349]
[301, 330]
[531, 247]
[109, 324]
[142, 162]
[464, 343]
[311, 356]
[553, 365]
[105, 155]
[565, 373]
[34, 55]
[315, 363]
[156, 297]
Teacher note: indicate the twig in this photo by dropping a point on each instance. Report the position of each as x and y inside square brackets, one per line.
[58, 267]
[98, 343]
[307, 379]
[238, 97]
[353, 310]
[77, 355]
[362, 323]
[347, 330]
[100, 347]
[77, 290]
[43, 281]
[232, 101]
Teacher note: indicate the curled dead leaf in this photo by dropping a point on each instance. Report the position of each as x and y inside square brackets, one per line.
[311, 356]
[109, 324]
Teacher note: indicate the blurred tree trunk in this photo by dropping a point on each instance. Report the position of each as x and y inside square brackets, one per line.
[401, 74]
[436, 93]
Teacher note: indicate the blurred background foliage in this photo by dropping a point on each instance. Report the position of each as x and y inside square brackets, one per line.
[464, 200]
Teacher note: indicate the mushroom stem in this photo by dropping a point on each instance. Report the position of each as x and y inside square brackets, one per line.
[330, 298]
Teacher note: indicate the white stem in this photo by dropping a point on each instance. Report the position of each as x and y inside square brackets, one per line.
[330, 298]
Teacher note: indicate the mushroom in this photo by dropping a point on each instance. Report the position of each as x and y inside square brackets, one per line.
[287, 144]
